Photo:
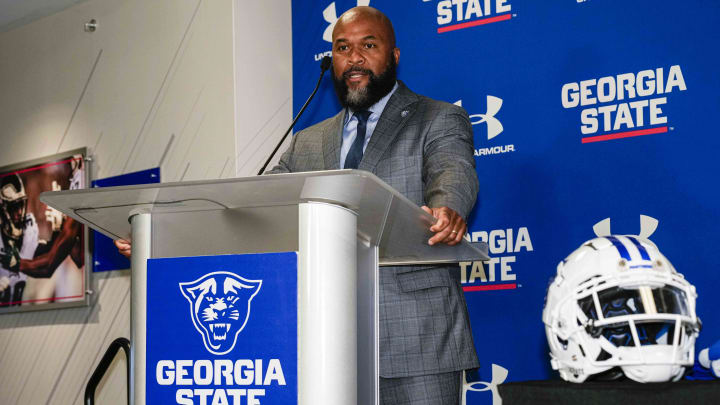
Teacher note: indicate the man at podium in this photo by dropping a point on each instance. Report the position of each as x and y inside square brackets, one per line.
[424, 149]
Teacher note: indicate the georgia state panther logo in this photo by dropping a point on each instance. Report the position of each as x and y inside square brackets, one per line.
[220, 307]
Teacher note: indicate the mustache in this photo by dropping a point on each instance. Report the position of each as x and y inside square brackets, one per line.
[346, 74]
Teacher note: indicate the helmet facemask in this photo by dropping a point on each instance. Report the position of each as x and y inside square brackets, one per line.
[647, 330]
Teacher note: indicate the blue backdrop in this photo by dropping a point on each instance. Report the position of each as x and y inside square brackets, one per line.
[583, 110]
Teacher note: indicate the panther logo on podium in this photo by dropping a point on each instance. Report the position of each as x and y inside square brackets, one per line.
[220, 307]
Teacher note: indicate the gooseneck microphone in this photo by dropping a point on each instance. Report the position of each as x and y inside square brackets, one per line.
[324, 65]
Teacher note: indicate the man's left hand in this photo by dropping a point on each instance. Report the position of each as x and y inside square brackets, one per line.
[449, 228]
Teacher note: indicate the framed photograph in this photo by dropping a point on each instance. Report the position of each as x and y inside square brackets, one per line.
[44, 255]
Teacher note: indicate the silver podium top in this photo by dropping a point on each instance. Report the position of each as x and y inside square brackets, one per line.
[385, 217]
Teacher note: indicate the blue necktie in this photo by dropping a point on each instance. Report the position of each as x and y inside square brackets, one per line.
[352, 160]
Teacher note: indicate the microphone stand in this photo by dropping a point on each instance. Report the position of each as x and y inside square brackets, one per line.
[324, 65]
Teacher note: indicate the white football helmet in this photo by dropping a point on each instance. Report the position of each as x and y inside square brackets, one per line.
[617, 306]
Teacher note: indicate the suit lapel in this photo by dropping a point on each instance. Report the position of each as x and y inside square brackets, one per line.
[398, 111]
[331, 142]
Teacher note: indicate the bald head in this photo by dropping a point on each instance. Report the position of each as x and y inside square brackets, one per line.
[364, 57]
[370, 14]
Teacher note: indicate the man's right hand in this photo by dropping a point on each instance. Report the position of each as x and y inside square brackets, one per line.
[124, 247]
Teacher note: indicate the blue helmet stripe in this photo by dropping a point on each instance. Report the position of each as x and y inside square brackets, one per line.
[620, 247]
[643, 252]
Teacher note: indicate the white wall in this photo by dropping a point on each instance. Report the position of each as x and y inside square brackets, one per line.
[152, 86]
[263, 80]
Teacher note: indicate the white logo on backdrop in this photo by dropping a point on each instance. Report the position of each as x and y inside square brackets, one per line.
[499, 375]
[330, 15]
[648, 225]
[494, 126]
[624, 102]
[220, 307]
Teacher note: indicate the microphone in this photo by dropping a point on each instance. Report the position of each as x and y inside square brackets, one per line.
[324, 65]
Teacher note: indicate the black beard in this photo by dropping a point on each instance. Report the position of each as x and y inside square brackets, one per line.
[378, 87]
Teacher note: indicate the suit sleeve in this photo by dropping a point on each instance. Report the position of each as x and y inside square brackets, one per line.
[448, 162]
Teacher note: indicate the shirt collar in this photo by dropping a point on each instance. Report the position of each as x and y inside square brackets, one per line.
[376, 108]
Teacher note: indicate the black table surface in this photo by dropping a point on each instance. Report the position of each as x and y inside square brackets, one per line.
[610, 392]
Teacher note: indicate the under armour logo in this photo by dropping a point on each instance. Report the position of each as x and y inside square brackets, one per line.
[331, 17]
[499, 375]
[648, 225]
[494, 126]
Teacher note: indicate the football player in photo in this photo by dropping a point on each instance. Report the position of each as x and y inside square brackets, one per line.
[62, 259]
[19, 238]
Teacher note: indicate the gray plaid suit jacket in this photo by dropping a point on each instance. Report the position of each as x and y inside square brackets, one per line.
[424, 149]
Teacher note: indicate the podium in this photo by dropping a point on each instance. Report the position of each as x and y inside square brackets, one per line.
[343, 224]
